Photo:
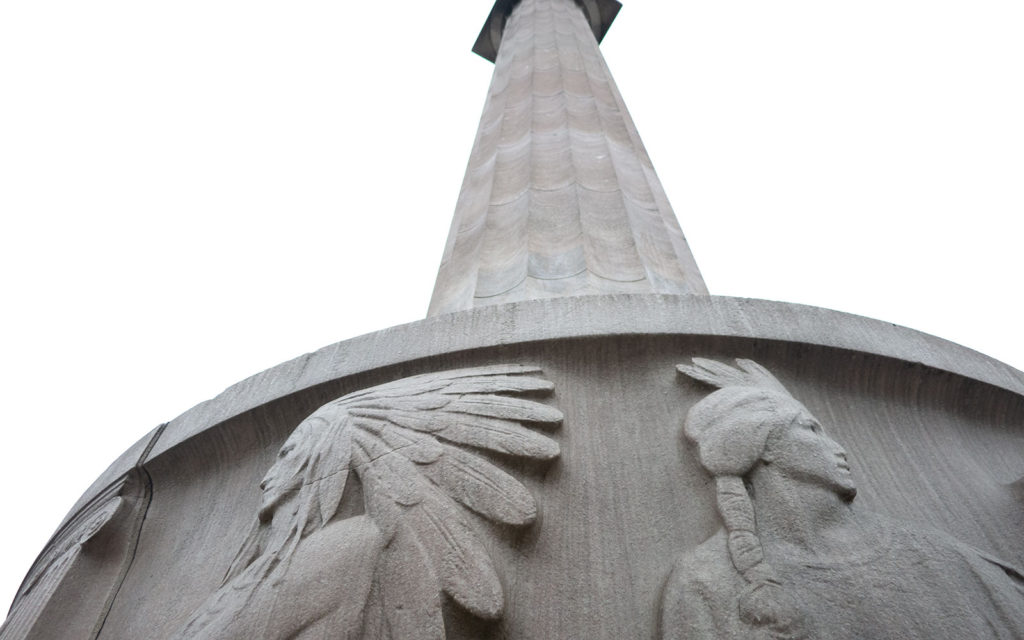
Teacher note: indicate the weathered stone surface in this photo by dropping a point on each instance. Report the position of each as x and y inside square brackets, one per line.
[935, 432]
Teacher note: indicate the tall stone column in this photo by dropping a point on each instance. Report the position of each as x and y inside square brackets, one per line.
[560, 197]
[533, 463]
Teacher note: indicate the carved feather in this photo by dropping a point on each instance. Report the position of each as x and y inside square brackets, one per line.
[410, 592]
[483, 487]
[385, 512]
[418, 484]
[400, 389]
[418, 384]
[386, 471]
[419, 421]
[761, 375]
[747, 373]
[329, 469]
[714, 373]
[418, 447]
[422, 402]
[500, 384]
[502, 436]
[465, 568]
[505, 408]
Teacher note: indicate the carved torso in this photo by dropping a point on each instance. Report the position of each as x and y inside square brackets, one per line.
[915, 583]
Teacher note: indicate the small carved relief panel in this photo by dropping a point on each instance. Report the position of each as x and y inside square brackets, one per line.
[305, 571]
[31, 614]
[794, 559]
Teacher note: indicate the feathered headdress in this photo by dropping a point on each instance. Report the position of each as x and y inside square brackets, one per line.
[746, 373]
[731, 425]
[415, 446]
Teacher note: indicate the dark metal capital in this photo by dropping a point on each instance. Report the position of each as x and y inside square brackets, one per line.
[600, 14]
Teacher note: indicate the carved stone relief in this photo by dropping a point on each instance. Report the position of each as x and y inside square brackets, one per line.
[794, 559]
[306, 571]
[59, 557]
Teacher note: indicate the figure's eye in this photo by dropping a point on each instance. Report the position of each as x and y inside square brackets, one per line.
[811, 426]
[285, 451]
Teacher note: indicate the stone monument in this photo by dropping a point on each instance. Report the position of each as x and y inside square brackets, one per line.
[578, 441]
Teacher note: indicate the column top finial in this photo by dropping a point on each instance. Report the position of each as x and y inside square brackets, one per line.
[600, 14]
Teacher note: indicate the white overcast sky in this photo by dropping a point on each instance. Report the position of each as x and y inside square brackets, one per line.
[192, 192]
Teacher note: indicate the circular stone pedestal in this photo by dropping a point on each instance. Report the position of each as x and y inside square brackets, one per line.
[566, 527]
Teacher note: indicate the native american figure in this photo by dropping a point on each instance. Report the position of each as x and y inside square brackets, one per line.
[306, 573]
[794, 560]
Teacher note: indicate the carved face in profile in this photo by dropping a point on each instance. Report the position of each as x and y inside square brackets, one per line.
[285, 476]
[738, 428]
[799, 449]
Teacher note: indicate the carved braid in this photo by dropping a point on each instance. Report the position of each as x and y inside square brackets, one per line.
[738, 515]
[765, 603]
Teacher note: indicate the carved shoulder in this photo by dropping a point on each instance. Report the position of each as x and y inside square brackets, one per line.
[340, 557]
[699, 597]
[707, 563]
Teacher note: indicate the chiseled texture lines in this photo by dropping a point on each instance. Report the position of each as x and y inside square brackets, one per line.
[560, 197]
[25, 613]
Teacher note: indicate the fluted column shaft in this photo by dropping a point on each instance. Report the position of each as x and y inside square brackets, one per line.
[560, 197]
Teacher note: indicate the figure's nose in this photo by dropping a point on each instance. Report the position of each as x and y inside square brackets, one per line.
[263, 484]
[837, 448]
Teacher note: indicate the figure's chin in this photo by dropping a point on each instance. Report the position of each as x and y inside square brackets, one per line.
[847, 494]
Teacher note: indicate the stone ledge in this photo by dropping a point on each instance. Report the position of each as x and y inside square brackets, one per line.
[580, 317]
[591, 316]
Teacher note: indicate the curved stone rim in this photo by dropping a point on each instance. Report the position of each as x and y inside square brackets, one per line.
[546, 320]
